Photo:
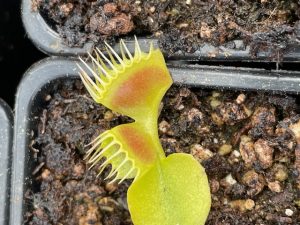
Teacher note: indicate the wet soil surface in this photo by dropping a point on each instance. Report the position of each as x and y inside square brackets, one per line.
[249, 144]
[179, 25]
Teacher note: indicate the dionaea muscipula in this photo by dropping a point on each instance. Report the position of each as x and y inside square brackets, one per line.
[132, 85]
[169, 190]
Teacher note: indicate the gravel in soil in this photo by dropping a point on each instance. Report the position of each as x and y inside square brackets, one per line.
[248, 143]
[179, 25]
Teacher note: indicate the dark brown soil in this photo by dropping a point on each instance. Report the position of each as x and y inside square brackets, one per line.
[179, 25]
[242, 139]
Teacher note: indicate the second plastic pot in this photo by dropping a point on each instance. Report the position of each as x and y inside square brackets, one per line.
[48, 40]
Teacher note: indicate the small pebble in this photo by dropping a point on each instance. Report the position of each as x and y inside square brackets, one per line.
[194, 114]
[201, 153]
[217, 119]
[184, 92]
[152, 9]
[247, 151]
[234, 157]
[108, 115]
[225, 201]
[236, 153]
[240, 99]
[242, 205]
[214, 185]
[84, 116]
[225, 149]
[249, 204]
[214, 103]
[150, 19]
[180, 107]
[290, 145]
[45, 174]
[66, 8]
[216, 141]
[230, 180]
[78, 170]
[281, 172]
[254, 181]
[110, 8]
[164, 127]
[111, 187]
[264, 153]
[275, 186]
[48, 98]
[183, 25]
[289, 212]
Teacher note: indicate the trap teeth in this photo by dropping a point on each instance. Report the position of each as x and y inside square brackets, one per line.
[124, 47]
[106, 146]
[107, 67]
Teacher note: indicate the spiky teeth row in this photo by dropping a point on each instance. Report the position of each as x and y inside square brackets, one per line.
[130, 85]
[107, 150]
[128, 148]
[105, 69]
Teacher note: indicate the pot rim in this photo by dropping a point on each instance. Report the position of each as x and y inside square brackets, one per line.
[6, 132]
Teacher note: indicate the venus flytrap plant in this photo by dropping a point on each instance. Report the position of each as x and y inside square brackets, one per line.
[169, 190]
[125, 87]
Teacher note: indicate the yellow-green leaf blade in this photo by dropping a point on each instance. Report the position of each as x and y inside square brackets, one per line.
[174, 192]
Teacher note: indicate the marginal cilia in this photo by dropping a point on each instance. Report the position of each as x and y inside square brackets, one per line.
[132, 85]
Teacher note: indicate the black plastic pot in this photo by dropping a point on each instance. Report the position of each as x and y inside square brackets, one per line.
[6, 131]
[48, 41]
[38, 80]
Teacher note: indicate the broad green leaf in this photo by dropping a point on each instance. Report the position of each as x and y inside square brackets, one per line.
[174, 192]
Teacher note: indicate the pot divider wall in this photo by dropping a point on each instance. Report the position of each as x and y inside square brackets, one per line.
[48, 40]
[6, 131]
[31, 93]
